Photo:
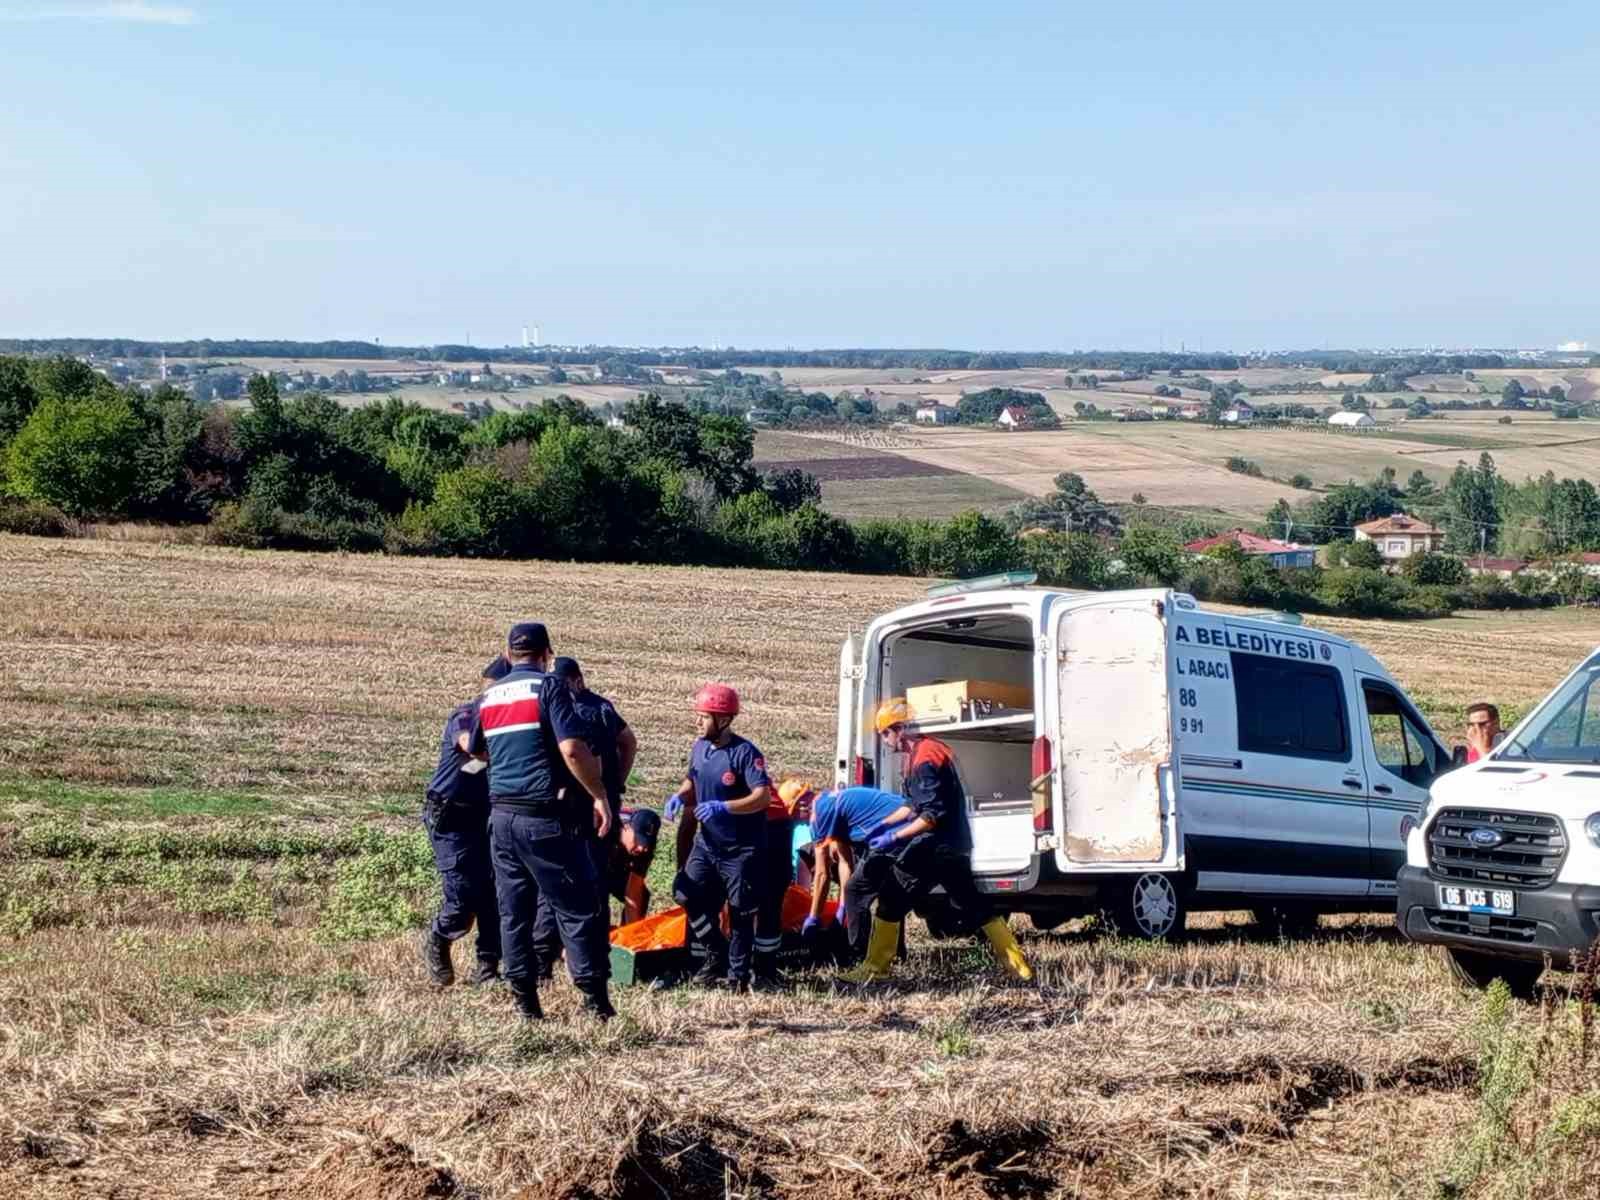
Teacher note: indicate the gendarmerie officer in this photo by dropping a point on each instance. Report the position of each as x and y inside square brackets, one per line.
[545, 795]
[456, 816]
[613, 743]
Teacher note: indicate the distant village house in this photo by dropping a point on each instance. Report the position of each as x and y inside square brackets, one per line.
[1399, 537]
[1012, 417]
[1279, 554]
[936, 414]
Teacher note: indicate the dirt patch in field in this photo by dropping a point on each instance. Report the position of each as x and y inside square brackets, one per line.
[886, 466]
[695, 1160]
[377, 1170]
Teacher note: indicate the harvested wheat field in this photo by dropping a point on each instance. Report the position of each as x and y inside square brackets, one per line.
[211, 884]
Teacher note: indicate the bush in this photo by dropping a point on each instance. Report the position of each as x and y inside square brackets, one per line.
[1154, 554]
[1363, 592]
[1303, 482]
[1440, 570]
[1243, 466]
[78, 454]
[35, 519]
[1073, 560]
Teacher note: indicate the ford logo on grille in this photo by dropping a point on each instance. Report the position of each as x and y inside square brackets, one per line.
[1486, 838]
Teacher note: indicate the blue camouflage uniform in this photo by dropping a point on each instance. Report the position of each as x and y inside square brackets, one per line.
[456, 816]
[540, 818]
[728, 860]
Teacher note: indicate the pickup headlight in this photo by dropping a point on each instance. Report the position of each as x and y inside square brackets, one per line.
[1592, 828]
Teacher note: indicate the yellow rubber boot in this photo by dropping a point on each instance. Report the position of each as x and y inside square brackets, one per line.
[1006, 951]
[879, 963]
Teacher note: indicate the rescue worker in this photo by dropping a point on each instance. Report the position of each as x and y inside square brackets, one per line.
[546, 794]
[778, 873]
[923, 844]
[615, 747]
[842, 822]
[456, 815]
[628, 866]
[725, 790]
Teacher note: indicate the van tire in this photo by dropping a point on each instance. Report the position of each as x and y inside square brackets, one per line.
[1478, 970]
[1152, 905]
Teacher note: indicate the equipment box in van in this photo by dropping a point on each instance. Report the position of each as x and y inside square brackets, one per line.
[1167, 759]
[1504, 867]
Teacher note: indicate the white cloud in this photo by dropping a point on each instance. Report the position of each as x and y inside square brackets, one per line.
[129, 13]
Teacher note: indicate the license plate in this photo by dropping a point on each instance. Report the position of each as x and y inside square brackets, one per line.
[1477, 900]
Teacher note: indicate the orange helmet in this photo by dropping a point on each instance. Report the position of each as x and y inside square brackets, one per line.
[794, 793]
[718, 699]
[892, 712]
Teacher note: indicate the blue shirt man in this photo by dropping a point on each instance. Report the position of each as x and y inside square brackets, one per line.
[852, 813]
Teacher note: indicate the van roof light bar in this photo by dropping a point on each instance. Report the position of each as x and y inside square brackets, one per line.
[984, 583]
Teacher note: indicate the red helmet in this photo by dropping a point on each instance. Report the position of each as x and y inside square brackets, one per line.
[718, 699]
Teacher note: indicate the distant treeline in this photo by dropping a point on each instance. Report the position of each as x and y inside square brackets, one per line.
[1134, 362]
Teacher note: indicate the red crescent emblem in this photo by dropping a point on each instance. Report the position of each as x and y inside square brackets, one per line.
[728, 778]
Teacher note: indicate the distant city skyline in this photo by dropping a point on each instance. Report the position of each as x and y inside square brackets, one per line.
[1029, 176]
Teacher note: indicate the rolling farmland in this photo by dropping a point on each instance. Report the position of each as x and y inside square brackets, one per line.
[210, 764]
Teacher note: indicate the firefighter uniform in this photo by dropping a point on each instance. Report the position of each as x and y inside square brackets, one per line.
[727, 863]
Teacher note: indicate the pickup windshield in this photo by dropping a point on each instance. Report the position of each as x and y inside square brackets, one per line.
[1566, 728]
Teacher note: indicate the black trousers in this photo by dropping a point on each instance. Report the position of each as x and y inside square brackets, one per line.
[900, 879]
[711, 878]
[460, 841]
[542, 859]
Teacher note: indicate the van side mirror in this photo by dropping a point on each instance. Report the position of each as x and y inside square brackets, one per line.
[1458, 756]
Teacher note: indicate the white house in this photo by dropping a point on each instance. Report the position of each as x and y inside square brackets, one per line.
[1240, 414]
[1398, 537]
[1012, 417]
[936, 414]
[1352, 420]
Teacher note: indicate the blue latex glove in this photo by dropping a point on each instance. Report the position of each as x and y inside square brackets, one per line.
[883, 841]
[707, 809]
[810, 928]
[673, 809]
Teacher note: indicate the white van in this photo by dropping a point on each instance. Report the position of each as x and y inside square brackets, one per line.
[1172, 759]
[1504, 867]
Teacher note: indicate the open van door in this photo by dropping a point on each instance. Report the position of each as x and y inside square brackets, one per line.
[1115, 798]
[849, 721]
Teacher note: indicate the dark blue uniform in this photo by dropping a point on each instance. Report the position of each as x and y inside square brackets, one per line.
[727, 862]
[456, 816]
[539, 817]
[602, 725]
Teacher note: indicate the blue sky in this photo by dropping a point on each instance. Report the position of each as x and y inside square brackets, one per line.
[997, 176]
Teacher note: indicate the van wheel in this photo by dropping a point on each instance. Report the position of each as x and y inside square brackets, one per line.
[1478, 970]
[1152, 905]
[1289, 920]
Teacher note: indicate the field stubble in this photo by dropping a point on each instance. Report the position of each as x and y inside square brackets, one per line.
[202, 994]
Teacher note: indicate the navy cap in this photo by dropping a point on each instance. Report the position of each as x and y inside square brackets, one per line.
[646, 824]
[566, 668]
[528, 637]
[498, 668]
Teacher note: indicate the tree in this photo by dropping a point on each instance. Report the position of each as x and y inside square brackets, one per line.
[1471, 509]
[1434, 570]
[1152, 553]
[1512, 395]
[18, 397]
[790, 487]
[79, 454]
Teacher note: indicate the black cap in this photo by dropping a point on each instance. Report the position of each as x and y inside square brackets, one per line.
[646, 824]
[498, 668]
[566, 668]
[528, 637]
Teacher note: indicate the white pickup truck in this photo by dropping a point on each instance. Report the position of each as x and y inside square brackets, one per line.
[1503, 868]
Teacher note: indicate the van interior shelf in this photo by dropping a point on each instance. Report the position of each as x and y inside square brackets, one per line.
[1002, 725]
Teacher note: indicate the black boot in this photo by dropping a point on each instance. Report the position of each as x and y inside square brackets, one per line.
[712, 972]
[487, 971]
[768, 977]
[436, 954]
[526, 994]
[597, 1001]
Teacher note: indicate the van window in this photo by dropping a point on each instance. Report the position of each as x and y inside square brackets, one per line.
[1290, 708]
[1401, 748]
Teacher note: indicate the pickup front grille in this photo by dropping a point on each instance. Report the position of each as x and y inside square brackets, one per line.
[1529, 854]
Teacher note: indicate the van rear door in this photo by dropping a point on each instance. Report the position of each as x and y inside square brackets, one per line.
[848, 727]
[1114, 792]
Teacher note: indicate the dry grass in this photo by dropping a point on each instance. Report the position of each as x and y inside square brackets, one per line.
[175, 1027]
